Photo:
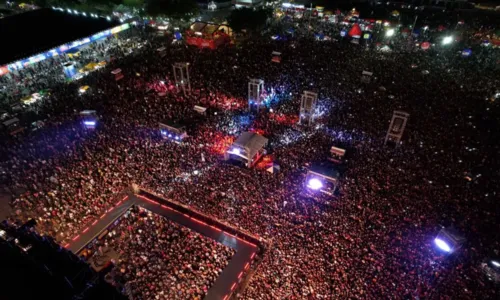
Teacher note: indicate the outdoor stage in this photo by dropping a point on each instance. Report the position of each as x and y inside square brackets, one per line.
[246, 246]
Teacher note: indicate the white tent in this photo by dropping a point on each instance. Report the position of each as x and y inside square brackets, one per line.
[200, 109]
[248, 147]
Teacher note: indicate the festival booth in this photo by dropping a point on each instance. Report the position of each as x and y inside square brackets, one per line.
[208, 35]
[276, 57]
[322, 177]
[425, 45]
[161, 51]
[336, 155]
[12, 126]
[118, 74]
[491, 268]
[173, 131]
[69, 70]
[89, 118]
[35, 97]
[366, 77]
[89, 68]
[83, 89]
[200, 109]
[248, 148]
[355, 33]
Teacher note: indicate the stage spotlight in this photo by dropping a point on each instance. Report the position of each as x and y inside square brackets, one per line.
[389, 32]
[495, 263]
[236, 151]
[176, 137]
[315, 184]
[89, 123]
[447, 40]
[442, 245]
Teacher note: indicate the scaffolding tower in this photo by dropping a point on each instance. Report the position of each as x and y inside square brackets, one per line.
[181, 75]
[397, 127]
[307, 108]
[255, 88]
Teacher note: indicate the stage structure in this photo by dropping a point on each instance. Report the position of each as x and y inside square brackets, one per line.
[323, 178]
[69, 70]
[276, 57]
[172, 131]
[200, 109]
[12, 126]
[255, 89]
[491, 268]
[89, 118]
[307, 108]
[117, 73]
[366, 77]
[449, 240]
[209, 35]
[181, 76]
[397, 127]
[162, 51]
[248, 148]
[337, 155]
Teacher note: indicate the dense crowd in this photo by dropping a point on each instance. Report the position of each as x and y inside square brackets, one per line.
[373, 240]
[160, 259]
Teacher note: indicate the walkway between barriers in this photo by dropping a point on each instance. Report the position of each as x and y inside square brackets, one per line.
[230, 277]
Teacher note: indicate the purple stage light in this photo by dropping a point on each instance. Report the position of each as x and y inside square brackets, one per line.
[236, 151]
[176, 137]
[315, 184]
[89, 123]
[442, 245]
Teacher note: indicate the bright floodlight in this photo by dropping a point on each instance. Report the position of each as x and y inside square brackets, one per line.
[89, 123]
[236, 151]
[315, 184]
[389, 32]
[447, 40]
[442, 245]
[495, 263]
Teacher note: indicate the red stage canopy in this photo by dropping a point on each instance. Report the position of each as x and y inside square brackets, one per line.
[355, 31]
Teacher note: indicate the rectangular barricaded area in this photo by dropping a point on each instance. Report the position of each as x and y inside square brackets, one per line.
[160, 259]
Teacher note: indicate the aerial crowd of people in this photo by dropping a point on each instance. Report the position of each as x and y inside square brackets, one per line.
[371, 240]
[160, 259]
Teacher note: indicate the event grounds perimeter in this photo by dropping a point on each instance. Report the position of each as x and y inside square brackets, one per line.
[232, 274]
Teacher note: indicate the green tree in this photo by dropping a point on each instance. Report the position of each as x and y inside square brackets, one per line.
[249, 19]
[134, 3]
[177, 9]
